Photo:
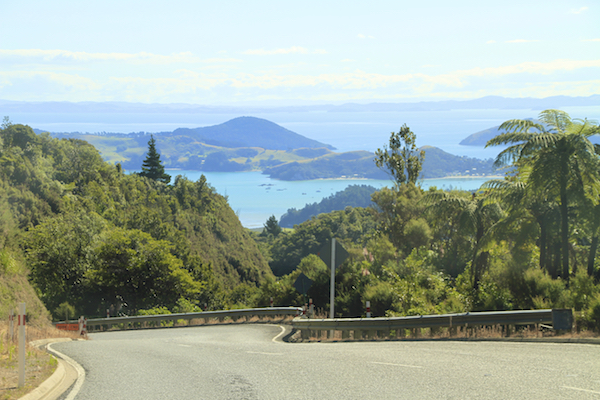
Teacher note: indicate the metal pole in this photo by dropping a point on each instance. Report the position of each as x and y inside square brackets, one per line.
[332, 289]
[21, 344]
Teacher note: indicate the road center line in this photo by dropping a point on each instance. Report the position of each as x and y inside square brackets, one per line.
[395, 365]
[581, 390]
[267, 354]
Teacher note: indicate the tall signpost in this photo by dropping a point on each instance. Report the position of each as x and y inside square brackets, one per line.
[332, 282]
[334, 255]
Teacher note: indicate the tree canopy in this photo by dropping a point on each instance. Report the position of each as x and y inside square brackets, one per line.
[152, 167]
[402, 159]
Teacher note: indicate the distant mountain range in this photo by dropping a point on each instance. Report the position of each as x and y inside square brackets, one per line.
[489, 102]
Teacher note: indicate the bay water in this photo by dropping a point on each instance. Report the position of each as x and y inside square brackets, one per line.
[255, 197]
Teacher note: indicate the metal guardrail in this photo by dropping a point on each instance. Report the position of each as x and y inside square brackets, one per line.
[561, 319]
[206, 315]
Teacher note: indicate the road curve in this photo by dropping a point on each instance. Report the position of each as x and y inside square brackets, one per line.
[244, 362]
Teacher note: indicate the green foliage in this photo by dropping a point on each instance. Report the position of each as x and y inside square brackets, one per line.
[81, 222]
[402, 160]
[353, 196]
[352, 225]
[152, 167]
[272, 227]
[64, 310]
[555, 161]
[394, 209]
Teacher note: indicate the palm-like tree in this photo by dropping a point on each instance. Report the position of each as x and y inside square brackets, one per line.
[558, 159]
[521, 205]
[476, 215]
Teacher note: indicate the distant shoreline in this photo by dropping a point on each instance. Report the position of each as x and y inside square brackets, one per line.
[353, 178]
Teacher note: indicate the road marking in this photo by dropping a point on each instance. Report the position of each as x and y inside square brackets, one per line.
[266, 354]
[76, 366]
[395, 365]
[280, 333]
[184, 345]
[581, 390]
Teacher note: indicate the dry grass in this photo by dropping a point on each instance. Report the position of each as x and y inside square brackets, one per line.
[39, 365]
[484, 332]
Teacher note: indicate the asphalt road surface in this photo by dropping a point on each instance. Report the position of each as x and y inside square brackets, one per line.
[244, 362]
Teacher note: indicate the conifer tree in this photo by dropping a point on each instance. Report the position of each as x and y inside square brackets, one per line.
[152, 167]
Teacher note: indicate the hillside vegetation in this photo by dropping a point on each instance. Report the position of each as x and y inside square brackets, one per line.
[98, 239]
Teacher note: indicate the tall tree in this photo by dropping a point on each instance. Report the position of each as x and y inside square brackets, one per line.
[476, 216]
[272, 227]
[402, 160]
[152, 167]
[555, 159]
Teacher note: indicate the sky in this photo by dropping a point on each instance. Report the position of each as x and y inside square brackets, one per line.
[291, 53]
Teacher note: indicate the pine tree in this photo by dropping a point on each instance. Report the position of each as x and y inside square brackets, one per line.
[152, 167]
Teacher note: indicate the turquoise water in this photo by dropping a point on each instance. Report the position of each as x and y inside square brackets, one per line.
[255, 197]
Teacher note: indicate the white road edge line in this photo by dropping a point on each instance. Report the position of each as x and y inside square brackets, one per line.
[581, 390]
[280, 333]
[78, 368]
[396, 365]
[266, 354]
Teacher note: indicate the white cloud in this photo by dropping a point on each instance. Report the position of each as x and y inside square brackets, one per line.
[521, 41]
[289, 50]
[591, 40]
[221, 60]
[579, 10]
[188, 85]
[33, 55]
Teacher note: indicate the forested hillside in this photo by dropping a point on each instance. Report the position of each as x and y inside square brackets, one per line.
[96, 238]
[525, 242]
[352, 196]
[99, 239]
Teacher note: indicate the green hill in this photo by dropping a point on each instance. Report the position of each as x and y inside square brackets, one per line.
[100, 239]
[360, 164]
[249, 132]
[481, 138]
[241, 144]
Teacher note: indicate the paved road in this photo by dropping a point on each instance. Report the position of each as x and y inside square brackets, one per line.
[243, 362]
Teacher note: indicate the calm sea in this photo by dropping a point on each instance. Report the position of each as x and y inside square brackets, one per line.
[255, 197]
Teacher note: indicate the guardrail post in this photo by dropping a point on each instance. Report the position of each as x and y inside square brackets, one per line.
[368, 309]
[345, 334]
[305, 334]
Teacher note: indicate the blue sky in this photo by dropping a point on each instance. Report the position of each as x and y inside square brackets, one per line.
[283, 52]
